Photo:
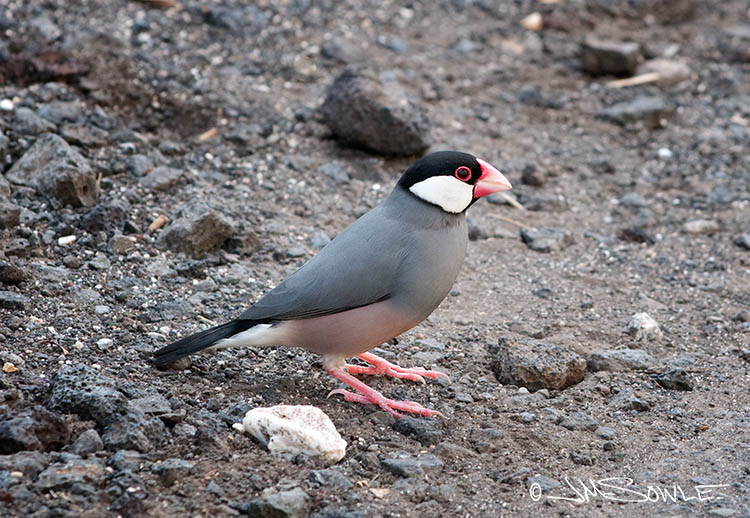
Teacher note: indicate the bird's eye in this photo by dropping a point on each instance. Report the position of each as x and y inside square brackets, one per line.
[463, 173]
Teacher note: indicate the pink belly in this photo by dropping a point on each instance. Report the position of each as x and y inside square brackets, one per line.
[348, 333]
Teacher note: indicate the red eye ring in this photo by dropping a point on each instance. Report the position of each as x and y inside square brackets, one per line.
[463, 173]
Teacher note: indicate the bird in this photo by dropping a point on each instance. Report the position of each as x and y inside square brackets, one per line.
[379, 277]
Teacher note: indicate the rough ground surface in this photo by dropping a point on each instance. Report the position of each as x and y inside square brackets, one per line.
[209, 114]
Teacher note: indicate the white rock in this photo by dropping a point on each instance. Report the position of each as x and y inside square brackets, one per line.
[6, 105]
[288, 430]
[643, 326]
[664, 153]
[700, 226]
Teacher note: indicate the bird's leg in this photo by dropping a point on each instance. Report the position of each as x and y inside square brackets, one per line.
[382, 366]
[371, 396]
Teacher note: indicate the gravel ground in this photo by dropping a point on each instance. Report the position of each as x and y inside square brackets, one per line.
[165, 166]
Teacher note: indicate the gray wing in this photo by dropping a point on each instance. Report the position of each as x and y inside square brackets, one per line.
[357, 268]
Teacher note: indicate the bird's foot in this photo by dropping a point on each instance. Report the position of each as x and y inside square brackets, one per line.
[382, 366]
[370, 396]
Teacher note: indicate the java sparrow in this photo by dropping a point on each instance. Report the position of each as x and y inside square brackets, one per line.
[381, 276]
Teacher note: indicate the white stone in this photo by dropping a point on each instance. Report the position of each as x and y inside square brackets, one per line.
[6, 105]
[66, 240]
[664, 153]
[643, 326]
[288, 430]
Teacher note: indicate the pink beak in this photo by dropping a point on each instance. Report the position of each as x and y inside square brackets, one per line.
[491, 180]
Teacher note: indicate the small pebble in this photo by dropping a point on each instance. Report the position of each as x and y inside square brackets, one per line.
[6, 105]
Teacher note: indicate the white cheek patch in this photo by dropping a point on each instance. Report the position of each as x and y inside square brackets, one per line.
[447, 192]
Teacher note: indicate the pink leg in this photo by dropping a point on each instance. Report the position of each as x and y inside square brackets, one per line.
[371, 396]
[381, 366]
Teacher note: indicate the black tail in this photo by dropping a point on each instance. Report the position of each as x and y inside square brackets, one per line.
[199, 341]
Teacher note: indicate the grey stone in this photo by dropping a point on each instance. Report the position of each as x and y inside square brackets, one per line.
[701, 226]
[408, 466]
[161, 179]
[295, 251]
[4, 187]
[552, 415]
[293, 503]
[81, 390]
[627, 400]
[138, 165]
[605, 432]
[120, 244]
[342, 50]
[87, 443]
[670, 71]
[619, 360]
[602, 57]
[643, 326]
[11, 274]
[423, 430]
[84, 135]
[29, 123]
[133, 431]
[4, 144]
[30, 463]
[319, 240]
[224, 18]
[330, 477]
[335, 172]
[362, 112]
[197, 230]
[675, 379]
[536, 365]
[579, 421]
[543, 482]
[393, 43]
[10, 214]
[632, 199]
[13, 301]
[108, 217]
[721, 195]
[154, 404]
[45, 27]
[649, 109]
[34, 428]
[171, 470]
[545, 239]
[100, 262]
[56, 170]
[63, 475]
[59, 111]
[734, 43]
[723, 512]
[743, 241]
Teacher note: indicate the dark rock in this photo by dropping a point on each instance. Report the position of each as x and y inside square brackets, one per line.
[293, 503]
[530, 176]
[81, 390]
[13, 301]
[742, 315]
[84, 135]
[161, 179]
[674, 379]
[138, 165]
[29, 123]
[605, 432]
[423, 430]
[619, 360]
[10, 214]
[154, 404]
[649, 110]
[197, 230]
[543, 201]
[627, 400]
[635, 234]
[125, 460]
[601, 57]
[133, 431]
[545, 239]
[34, 428]
[408, 466]
[743, 241]
[87, 443]
[57, 170]
[11, 274]
[531, 95]
[30, 463]
[108, 217]
[361, 111]
[224, 18]
[330, 477]
[602, 166]
[171, 470]
[579, 421]
[536, 365]
[63, 475]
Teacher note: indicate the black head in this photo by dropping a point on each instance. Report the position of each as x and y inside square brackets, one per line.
[452, 180]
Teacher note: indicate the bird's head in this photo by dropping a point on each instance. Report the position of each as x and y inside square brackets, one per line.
[452, 180]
